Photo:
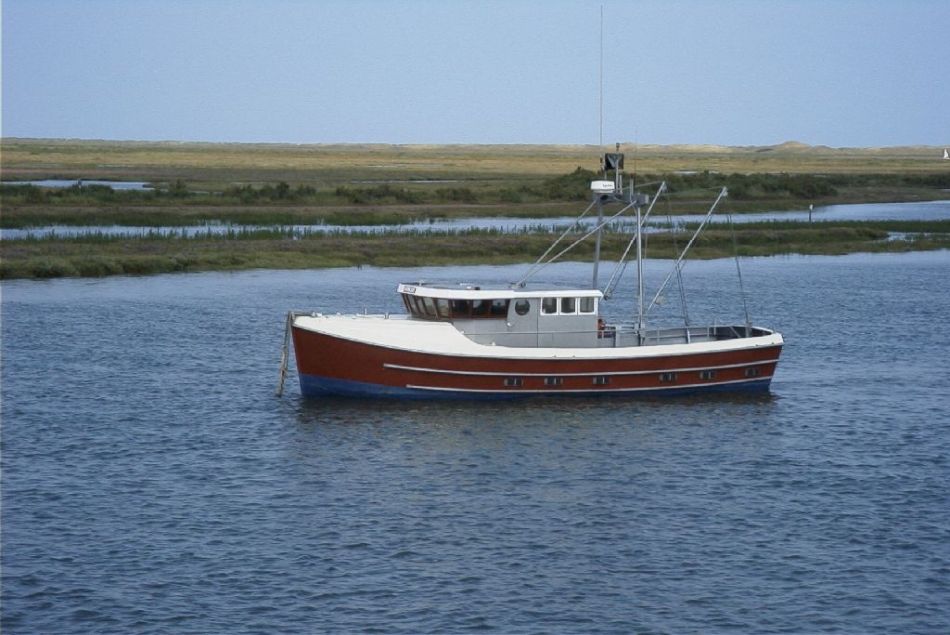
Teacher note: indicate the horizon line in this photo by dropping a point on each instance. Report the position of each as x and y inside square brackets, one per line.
[788, 145]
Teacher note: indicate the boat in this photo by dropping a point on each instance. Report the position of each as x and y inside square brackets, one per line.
[471, 341]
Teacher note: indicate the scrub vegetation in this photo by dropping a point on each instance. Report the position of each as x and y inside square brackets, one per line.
[278, 249]
[270, 185]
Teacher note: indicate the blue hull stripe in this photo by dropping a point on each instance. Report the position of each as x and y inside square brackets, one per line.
[313, 386]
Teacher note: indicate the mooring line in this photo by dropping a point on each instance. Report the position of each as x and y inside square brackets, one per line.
[285, 353]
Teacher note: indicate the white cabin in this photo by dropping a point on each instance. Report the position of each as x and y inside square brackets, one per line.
[511, 317]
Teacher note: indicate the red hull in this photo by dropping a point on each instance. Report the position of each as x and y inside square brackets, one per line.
[328, 364]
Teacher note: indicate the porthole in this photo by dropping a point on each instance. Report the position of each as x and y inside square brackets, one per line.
[522, 307]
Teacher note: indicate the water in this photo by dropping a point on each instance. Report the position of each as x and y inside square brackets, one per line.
[64, 183]
[930, 210]
[921, 210]
[152, 482]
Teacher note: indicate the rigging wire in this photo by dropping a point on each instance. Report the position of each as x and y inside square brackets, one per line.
[735, 250]
[679, 268]
[621, 267]
[537, 266]
[722, 194]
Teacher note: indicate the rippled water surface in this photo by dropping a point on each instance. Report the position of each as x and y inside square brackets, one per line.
[153, 483]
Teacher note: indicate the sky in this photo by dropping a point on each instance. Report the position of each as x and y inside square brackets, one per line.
[754, 72]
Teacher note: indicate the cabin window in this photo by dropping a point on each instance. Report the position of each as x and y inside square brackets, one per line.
[568, 305]
[752, 372]
[601, 380]
[549, 306]
[428, 305]
[522, 307]
[513, 382]
[417, 308]
[553, 381]
[499, 308]
[442, 306]
[465, 309]
[588, 305]
[707, 374]
[667, 378]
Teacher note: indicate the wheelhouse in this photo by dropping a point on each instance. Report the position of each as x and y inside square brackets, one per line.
[465, 302]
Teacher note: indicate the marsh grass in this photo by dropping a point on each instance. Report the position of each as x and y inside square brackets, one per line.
[269, 185]
[275, 248]
[381, 184]
[335, 164]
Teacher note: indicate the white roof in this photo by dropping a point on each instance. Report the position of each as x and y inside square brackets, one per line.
[473, 292]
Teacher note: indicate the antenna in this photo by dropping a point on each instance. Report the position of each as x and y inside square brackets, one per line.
[601, 76]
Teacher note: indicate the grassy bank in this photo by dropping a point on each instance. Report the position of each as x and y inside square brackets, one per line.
[215, 165]
[383, 184]
[565, 195]
[101, 256]
[265, 185]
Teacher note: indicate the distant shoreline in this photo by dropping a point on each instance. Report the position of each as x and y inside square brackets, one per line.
[263, 185]
[787, 146]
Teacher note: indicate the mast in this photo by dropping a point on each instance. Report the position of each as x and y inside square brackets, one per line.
[600, 220]
[599, 197]
[606, 190]
[640, 324]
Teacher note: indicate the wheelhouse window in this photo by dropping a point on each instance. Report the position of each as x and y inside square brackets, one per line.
[444, 309]
[428, 305]
[442, 306]
[568, 306]
[499, 308]
[426, 308]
